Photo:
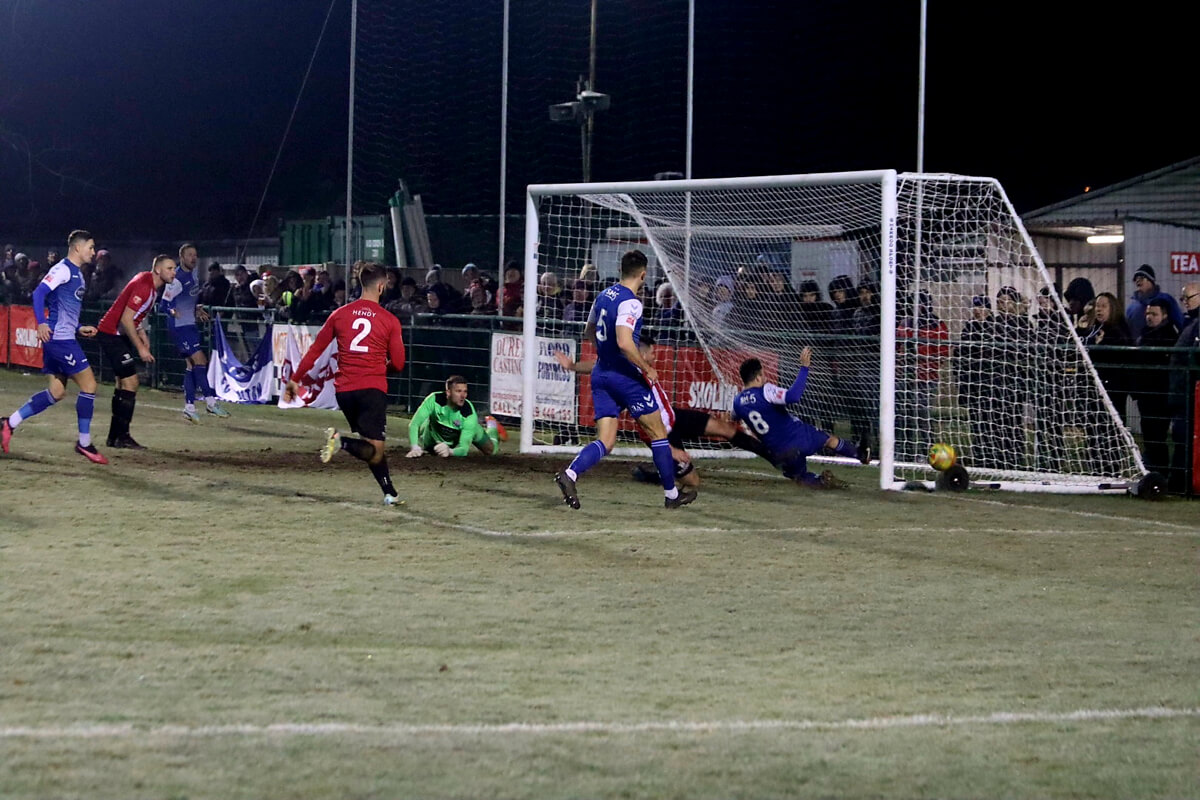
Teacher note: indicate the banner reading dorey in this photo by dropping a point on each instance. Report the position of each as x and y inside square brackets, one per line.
[554, 386]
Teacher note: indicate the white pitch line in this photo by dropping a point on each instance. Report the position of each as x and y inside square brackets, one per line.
[287, 729]
[666, 531]
[1147, 520]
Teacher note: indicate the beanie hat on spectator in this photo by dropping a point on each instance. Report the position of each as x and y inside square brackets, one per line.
[1009, 292]
[980, 301]
[726, 281]
[468, 268]
[408, 280]
[810, 286]
[1144, 271]
[841, 283]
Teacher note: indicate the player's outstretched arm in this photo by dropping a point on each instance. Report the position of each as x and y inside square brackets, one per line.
[582, 367]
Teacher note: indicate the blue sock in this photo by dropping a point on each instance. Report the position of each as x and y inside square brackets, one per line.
[36, 405]
[201, 378]
[85, 405]
[189, 387]
[846, 448]
[588, 457]
[661, 450]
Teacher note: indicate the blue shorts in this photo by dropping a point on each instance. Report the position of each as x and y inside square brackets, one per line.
[63, 357]
[187, 339]
[612, 392]
[806, 441]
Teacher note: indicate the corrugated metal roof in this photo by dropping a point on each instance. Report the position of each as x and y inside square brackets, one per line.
[1170, 195]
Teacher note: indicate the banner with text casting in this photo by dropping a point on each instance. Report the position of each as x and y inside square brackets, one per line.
[319, 391]
[234, 381]
[555, 386]
[23, 345]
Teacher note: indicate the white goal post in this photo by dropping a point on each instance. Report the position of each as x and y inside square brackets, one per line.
[930, 315]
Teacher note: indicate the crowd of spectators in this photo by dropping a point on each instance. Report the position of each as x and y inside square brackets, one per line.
[996, 369]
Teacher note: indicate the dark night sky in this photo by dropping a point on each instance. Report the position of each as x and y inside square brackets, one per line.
[161, 119]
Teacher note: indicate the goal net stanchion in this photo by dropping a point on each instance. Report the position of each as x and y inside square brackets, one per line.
[901, 359]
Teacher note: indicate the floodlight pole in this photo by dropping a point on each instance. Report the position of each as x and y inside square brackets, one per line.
[921, 93]
[503, 152]
[589, 127]
[350, 148]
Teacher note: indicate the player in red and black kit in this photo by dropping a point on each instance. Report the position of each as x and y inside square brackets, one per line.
[120, 337]
[367, 337]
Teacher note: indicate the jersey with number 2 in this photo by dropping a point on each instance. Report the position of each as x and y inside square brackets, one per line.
[368, 336]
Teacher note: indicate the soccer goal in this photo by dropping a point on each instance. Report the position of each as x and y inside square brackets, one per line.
[930, 315]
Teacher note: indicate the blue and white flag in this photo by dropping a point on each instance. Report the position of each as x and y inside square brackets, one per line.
[234, 381]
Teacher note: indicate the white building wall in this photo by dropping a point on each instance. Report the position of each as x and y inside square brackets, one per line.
[1152, 243]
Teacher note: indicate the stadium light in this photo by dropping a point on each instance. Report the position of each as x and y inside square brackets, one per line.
[1106, 238]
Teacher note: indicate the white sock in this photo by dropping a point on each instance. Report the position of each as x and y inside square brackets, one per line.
[671, 493]
[85, 439]
[189, 407]
[210, 401]
[570, 473]
[14, 419]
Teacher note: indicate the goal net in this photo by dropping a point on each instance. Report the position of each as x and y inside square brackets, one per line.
[930, 316]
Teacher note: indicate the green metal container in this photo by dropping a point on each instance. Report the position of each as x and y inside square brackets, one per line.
[304, 241]
[316, 241]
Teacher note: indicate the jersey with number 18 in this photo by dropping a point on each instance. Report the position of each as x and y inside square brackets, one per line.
[368, 336]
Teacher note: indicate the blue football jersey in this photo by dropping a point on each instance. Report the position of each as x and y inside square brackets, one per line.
[181, 295]
[617, 306]
[65, 299]
[764, 410]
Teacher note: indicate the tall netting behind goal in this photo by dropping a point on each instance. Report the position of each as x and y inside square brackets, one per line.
[930, 317]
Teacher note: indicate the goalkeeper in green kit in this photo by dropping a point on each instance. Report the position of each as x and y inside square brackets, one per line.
[447, 424]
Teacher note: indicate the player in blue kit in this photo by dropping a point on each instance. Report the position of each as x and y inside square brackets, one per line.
[762, 406]
[179, 304]
[621, 380]
[61, 291]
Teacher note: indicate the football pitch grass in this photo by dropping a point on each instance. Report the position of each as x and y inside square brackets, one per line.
[222, 616]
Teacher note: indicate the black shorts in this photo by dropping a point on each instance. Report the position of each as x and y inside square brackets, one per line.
[120, 353]
[366, 411]
[689, 426]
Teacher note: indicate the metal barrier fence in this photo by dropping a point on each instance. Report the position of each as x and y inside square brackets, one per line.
[1156, 390]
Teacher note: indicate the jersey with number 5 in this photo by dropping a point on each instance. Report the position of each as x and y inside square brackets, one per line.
[368, 336]
[764, 411]
[616, 307]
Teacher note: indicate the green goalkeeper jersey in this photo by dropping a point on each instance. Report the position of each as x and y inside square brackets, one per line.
[437, 420]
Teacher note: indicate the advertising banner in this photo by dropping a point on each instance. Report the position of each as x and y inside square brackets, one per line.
[555, 386]
[24, 348]
[687, 377]
[5, 334]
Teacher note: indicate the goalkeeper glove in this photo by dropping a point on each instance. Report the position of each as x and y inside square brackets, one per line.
[416, 451]
[442, 449]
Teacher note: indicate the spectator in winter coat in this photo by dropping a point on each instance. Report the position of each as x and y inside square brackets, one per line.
[1182, 384]
[1147, 290]
[1152, 384]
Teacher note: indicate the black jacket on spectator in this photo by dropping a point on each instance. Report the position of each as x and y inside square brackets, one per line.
[217, 291]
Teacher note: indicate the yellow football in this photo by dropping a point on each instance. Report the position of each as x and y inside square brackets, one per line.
[942, 457]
